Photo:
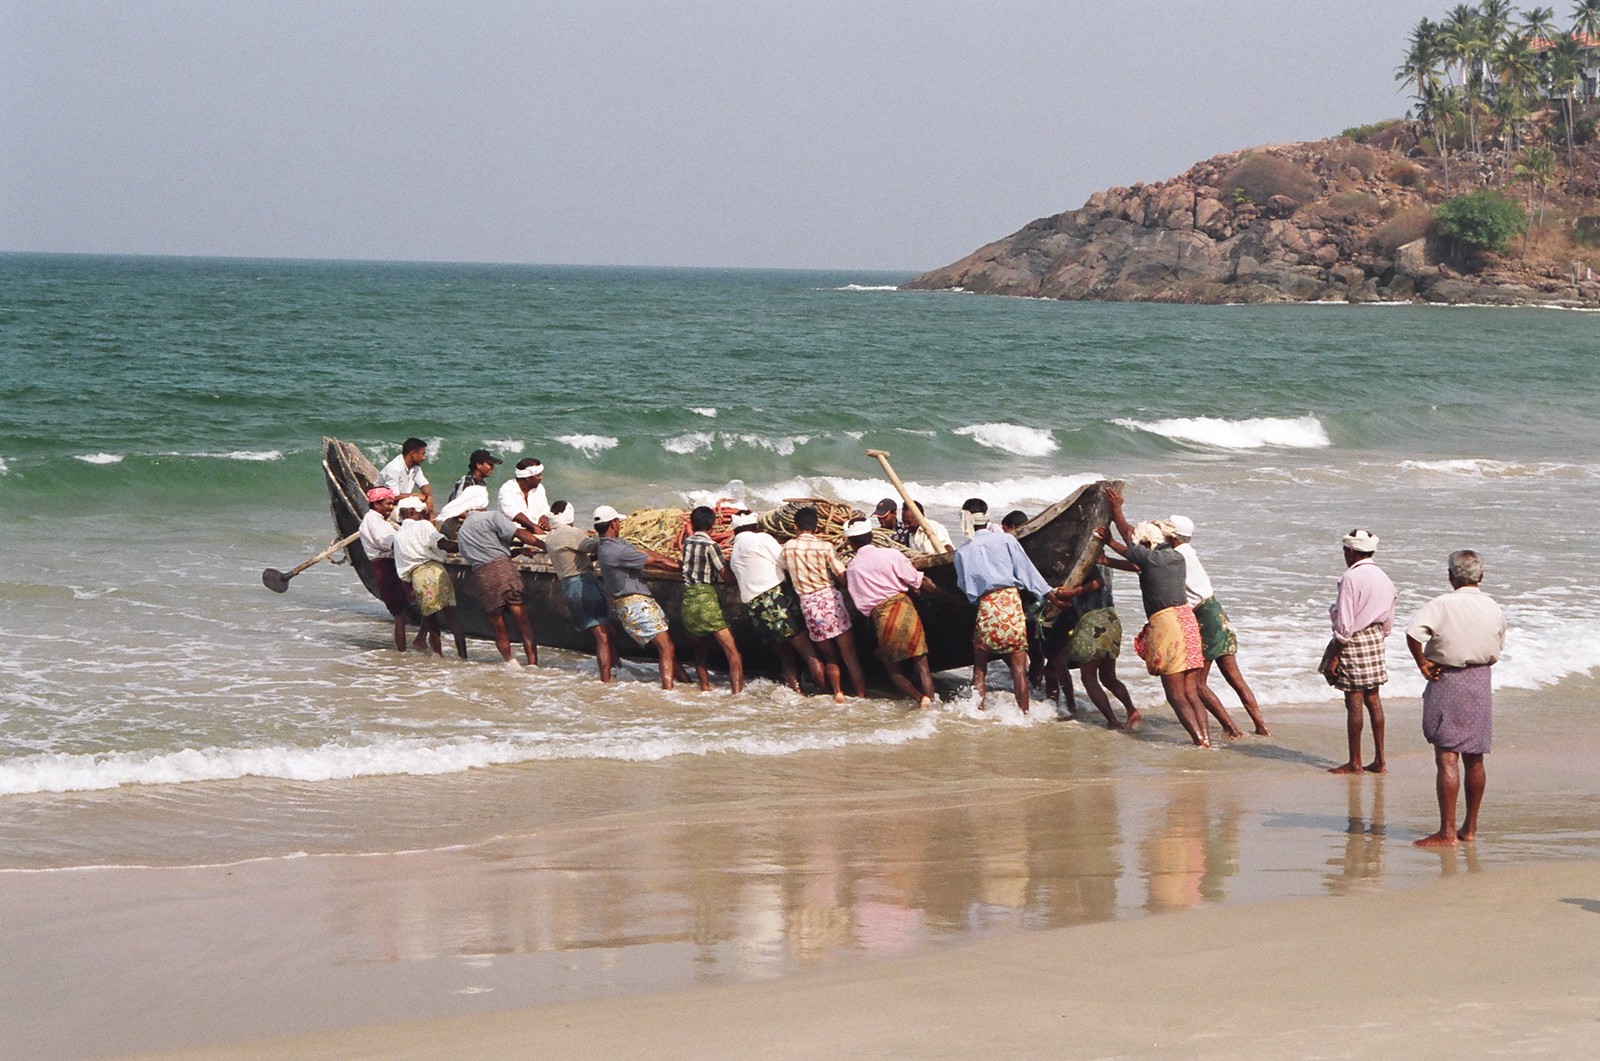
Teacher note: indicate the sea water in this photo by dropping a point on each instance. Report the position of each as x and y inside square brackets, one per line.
[160, 432]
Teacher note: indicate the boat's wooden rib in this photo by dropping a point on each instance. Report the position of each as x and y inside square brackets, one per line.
[1058, 540]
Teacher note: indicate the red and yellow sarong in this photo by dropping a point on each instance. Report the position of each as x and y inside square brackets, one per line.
[1002, 624]
[899, 630]
[1170, 642]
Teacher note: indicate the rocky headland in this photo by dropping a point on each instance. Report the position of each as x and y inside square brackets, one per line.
[1330, 220]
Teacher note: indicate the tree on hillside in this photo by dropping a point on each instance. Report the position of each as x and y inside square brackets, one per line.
[1536, 168]
[1539, 23]
[1564, 79]
[1481, 220]
[1586, 18]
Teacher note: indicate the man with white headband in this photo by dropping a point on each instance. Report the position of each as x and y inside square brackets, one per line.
[572, 553]
[1362, 614]
[522, 497]
[763, 577]
[419, 561]
[1218, 643]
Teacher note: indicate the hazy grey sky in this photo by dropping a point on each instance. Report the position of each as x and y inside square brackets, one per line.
[853, 135]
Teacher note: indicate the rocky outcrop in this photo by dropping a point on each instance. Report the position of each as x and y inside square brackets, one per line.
[1331, 220]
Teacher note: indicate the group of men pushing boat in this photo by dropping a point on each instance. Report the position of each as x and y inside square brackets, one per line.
[794, 592]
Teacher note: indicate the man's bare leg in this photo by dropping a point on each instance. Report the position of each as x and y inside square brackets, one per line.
[1097, 695]
[604, 654]
[421, 642]
[806, 651]
[525, 628]
[897, 678]
[1352, 731]
[829, 654]
[1446, 783]
[1109, 679]
[502, 640]
[701, 650]
[1209, 700]
[1375, 712]
[919, 666]
[845, 644]
[735, 661]
[454, 622]
[667, 658]
[980, 672]
[1018, 661]
[1178, 697]
[787, 663]
[400, 632]
[1229, 666]
[1476, 778]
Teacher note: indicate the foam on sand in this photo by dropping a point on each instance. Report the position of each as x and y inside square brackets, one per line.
[1011, 438]
[1305, 432]
[588, 445]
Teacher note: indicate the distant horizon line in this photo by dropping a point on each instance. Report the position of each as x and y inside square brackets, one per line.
[148, 256]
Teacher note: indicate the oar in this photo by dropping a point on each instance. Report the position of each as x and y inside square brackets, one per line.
[278, 581]
[905, 495]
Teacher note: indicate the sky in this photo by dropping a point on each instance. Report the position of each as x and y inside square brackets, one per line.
[863, 135]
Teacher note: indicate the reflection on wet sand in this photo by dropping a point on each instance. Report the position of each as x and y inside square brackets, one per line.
[1361, 863]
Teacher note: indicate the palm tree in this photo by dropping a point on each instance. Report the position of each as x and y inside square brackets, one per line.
[1539, 23]
[1441, 112]
[1586, 19]
[1537, 166]
[1420, 70]
[1564, 80]
[1463, 41]
[1510, 107]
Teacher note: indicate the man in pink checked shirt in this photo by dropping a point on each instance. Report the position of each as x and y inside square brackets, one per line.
[1363, 615]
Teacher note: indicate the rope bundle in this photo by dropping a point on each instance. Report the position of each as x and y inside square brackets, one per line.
[664, 529]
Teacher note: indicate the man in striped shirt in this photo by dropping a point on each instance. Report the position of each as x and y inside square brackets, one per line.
[816, 572]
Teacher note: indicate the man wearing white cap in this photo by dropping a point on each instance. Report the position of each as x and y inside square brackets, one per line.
[1218, 642]
[1362, 615]
[522, 497]
[419, 561]
[622, 565]
[572, 554]
[762, 573]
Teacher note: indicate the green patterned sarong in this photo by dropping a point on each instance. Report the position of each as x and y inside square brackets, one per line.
[1098, 635]
[702, 610]
[776, 614]
[1216, 633]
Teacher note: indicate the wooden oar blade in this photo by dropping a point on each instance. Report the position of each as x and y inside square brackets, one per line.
[275, 580]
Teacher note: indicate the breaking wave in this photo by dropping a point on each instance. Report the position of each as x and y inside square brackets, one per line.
[1011, 438]
[1305, 432]
[588, 445]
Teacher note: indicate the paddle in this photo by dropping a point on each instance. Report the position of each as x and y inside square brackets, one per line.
[278, 581]
[905, 495]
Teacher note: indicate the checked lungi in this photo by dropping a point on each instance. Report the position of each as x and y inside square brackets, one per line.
[1361, 661]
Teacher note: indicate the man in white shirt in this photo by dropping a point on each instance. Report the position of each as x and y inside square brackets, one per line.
[759, 568]
[377, 541]
[1219, 644]
[419, 561]
[522, 498]
[404, 474]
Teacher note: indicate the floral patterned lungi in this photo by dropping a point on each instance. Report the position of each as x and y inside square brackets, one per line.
[640, 616]
[899, 629]
[1170, 642]
[776, 614]
[825, 614]
[430, 582]
[1002, 624]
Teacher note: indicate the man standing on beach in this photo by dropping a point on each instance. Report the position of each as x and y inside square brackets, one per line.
[485, 541]
[1217, 640]
[758, 567]
[622, 565]
[1362, 615]
[1455, 639]
[879, 579]
[571, 553]
[703, 568]
[992, 570]
[816, 571]
[480, 466]
[404, 474]
[522, 497]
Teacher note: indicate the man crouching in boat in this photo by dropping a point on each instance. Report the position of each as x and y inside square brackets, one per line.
[419, 561]
[992, 570]
[622, 565]
[485, 540]
[879, 580]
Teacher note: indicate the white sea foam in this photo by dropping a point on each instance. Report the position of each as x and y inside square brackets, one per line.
[505, 445]
[1012, 438]
[704, 410]
[1478, 468]
[1305, 432]
[248, 455]
[3, 468]
[1035, 492]
[433, 447]
[588, 445]
[100, 458]
[690, 442]
[58, 772]
[868, 287]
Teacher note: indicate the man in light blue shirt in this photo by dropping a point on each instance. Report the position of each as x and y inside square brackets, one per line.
[992, 569]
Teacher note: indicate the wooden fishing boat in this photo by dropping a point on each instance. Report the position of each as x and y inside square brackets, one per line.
[1058, 540]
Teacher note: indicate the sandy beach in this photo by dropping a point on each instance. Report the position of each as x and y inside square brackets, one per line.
[944, 898]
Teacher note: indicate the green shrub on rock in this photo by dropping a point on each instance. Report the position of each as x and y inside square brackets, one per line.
[1482, 220]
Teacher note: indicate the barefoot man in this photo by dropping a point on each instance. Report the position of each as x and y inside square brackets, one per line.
[1455, 639]
[992, 570]
[419, 561]
[879, 579]
[816, 572]
[703, 568]
[485, 541]
[1218, 642]
[1362, 615]
[622, 565]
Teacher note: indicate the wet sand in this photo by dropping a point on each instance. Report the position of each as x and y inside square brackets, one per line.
[969, 891]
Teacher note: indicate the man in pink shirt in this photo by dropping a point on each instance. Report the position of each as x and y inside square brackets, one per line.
[879, 580]
[1362, 615]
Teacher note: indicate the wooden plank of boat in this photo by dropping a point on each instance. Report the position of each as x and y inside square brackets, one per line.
[1059, 540]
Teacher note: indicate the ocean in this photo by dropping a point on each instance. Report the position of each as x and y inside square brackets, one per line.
[160, 431]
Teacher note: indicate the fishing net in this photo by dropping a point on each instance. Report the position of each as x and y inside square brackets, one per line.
[664, 529]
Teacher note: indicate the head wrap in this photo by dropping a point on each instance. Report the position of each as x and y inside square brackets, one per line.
[379, 493]
[855, 528]
[1148, 534]
[1360, 541]
[564, 517]
[472, 499]
[530, 471]
[412, 504]
[744, 519]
